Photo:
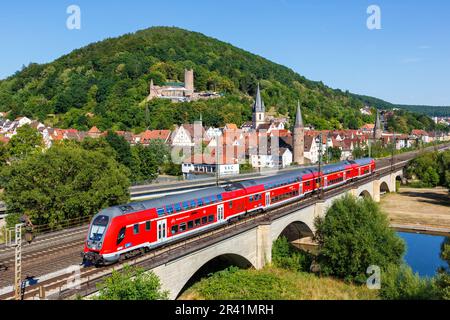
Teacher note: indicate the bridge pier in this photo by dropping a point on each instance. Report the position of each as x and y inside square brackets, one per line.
[264, 245]
[376, 190]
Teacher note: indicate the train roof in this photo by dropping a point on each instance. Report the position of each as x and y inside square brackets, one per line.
[329, 168]
[363, 161]
[162, 202]
[290, 176]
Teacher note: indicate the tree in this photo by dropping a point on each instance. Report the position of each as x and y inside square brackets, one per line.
[65, 182]
[147, 160]
[354, 235]
[443, 278]
[132, 284]
[122, 148]
[285, 255]
[401, 283]
[25, 142]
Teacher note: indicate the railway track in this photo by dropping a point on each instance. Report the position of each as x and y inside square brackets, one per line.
[57, 286]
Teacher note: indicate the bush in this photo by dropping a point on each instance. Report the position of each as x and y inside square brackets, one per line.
[286, 256]
[353, 236]
[132, 284]
[400, 283]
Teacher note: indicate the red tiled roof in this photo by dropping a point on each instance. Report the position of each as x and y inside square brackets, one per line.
[155, 135]
[94, 129]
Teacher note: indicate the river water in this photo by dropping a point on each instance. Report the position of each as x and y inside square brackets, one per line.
[423, 252]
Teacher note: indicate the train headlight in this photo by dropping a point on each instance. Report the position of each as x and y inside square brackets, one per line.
[99, 245]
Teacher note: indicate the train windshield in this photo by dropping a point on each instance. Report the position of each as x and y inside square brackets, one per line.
[98, 228]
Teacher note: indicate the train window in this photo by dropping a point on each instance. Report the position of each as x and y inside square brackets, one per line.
[190, 224]
[169, 209]
[175, 229]
[177, 207]
[211, 218]
[160, 211]
[197, 222]
[126, 208]
[206, 199]
[204, 220]
[136, 228]
[230, 204]
[185, 205]
[148, 225]
[200, 202]
[213, 199]
[182, 227]
[219, 196]
[193, 204]
[121, 235]
[250, 198]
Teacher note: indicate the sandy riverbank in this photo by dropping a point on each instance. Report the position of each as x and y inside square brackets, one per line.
[411, 206]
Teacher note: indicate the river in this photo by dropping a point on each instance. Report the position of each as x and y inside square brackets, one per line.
[423, 252]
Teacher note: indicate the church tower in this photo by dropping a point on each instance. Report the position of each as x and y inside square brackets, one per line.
[377, 129]
[259, 110]
[298, 140]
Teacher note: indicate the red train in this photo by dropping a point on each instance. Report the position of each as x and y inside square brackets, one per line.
[126, 230]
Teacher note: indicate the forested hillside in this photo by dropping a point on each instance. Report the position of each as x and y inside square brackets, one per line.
[106, 83]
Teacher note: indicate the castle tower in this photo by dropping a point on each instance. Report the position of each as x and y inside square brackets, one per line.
[259, 110]
[298, 140]
[377, 130]
[151, 91]
[189, 81]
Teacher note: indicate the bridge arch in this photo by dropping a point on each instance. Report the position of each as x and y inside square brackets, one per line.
[299, 223]
[216, 264]
[384, 188]
[365, 194]
[296, 230]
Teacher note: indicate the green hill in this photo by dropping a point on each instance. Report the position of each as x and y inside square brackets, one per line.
[106, 83]
[433, 111]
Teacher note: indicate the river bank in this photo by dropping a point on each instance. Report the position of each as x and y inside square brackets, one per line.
[418, 209]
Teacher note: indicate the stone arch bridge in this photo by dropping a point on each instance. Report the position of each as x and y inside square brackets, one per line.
[252, 246]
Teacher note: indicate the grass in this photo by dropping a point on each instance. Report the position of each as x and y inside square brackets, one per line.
[273, 283]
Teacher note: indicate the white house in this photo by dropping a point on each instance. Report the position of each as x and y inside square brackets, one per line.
[182, 138]
[280, 159]
[311, 149]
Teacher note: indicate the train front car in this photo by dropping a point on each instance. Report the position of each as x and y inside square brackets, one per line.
[97, 237]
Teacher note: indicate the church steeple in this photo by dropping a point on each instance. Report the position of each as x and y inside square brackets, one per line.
[377, 129]
[298, 139]
[258, 106]
[259, 109]
[298, 117]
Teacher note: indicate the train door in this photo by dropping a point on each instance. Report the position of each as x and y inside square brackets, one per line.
[220, 215]
[325, 181]
[267, 199]
[161, 230]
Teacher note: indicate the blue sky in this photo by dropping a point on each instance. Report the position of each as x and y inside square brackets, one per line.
[407, 61]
